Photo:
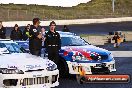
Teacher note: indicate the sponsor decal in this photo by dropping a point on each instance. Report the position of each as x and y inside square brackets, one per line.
[107, 78]
[12, 67]
[83, 52]
[40, 75]
[75, 68]
[32, 66]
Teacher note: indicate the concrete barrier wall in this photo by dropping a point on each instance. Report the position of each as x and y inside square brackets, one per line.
[69, 22]
[95, 40]
[128, 36]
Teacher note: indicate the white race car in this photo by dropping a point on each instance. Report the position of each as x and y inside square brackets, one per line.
[23, 70]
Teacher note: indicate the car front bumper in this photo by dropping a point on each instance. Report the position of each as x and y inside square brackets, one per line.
[35, 79]
[91, 68]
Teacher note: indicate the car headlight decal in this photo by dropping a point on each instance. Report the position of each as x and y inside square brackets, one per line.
[52, 67]
[79, 58]
[11, 71]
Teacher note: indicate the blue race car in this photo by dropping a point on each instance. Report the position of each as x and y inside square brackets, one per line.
[76, 52]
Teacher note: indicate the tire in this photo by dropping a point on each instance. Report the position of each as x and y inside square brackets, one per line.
[63, 68]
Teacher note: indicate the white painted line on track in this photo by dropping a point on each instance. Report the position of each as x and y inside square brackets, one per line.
[122, 53]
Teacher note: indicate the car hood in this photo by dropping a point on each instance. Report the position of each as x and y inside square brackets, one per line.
[24, 61]
[87, 51]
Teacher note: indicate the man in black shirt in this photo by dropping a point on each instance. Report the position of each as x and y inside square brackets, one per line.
[35, 40]
[53, 43]
[2, 31]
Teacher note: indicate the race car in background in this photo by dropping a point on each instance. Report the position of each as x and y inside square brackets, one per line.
[76, 52]
[19, 69]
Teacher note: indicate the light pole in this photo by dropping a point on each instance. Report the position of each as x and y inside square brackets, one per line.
[113, 6]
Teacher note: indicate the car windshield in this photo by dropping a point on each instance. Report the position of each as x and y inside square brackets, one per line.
[12, 47]
[72, 41]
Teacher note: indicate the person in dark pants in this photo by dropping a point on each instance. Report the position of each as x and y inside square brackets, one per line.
[2, 31]
[53, 43]
[16, 34]
[65, 29]
[26, 32]
[35, 40]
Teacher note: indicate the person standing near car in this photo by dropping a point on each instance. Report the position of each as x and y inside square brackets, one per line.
[16, 33]
[65, 29]
[53, 43]
[26, 32]
[35, 40]
[2, 31]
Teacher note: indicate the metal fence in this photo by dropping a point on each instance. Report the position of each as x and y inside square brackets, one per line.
[20, 15]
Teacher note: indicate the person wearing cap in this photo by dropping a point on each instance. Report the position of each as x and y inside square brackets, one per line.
[16, 33]
[53, 43]
[2, 31]
[35, 40]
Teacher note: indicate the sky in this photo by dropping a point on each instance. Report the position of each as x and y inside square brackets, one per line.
[64, 3]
